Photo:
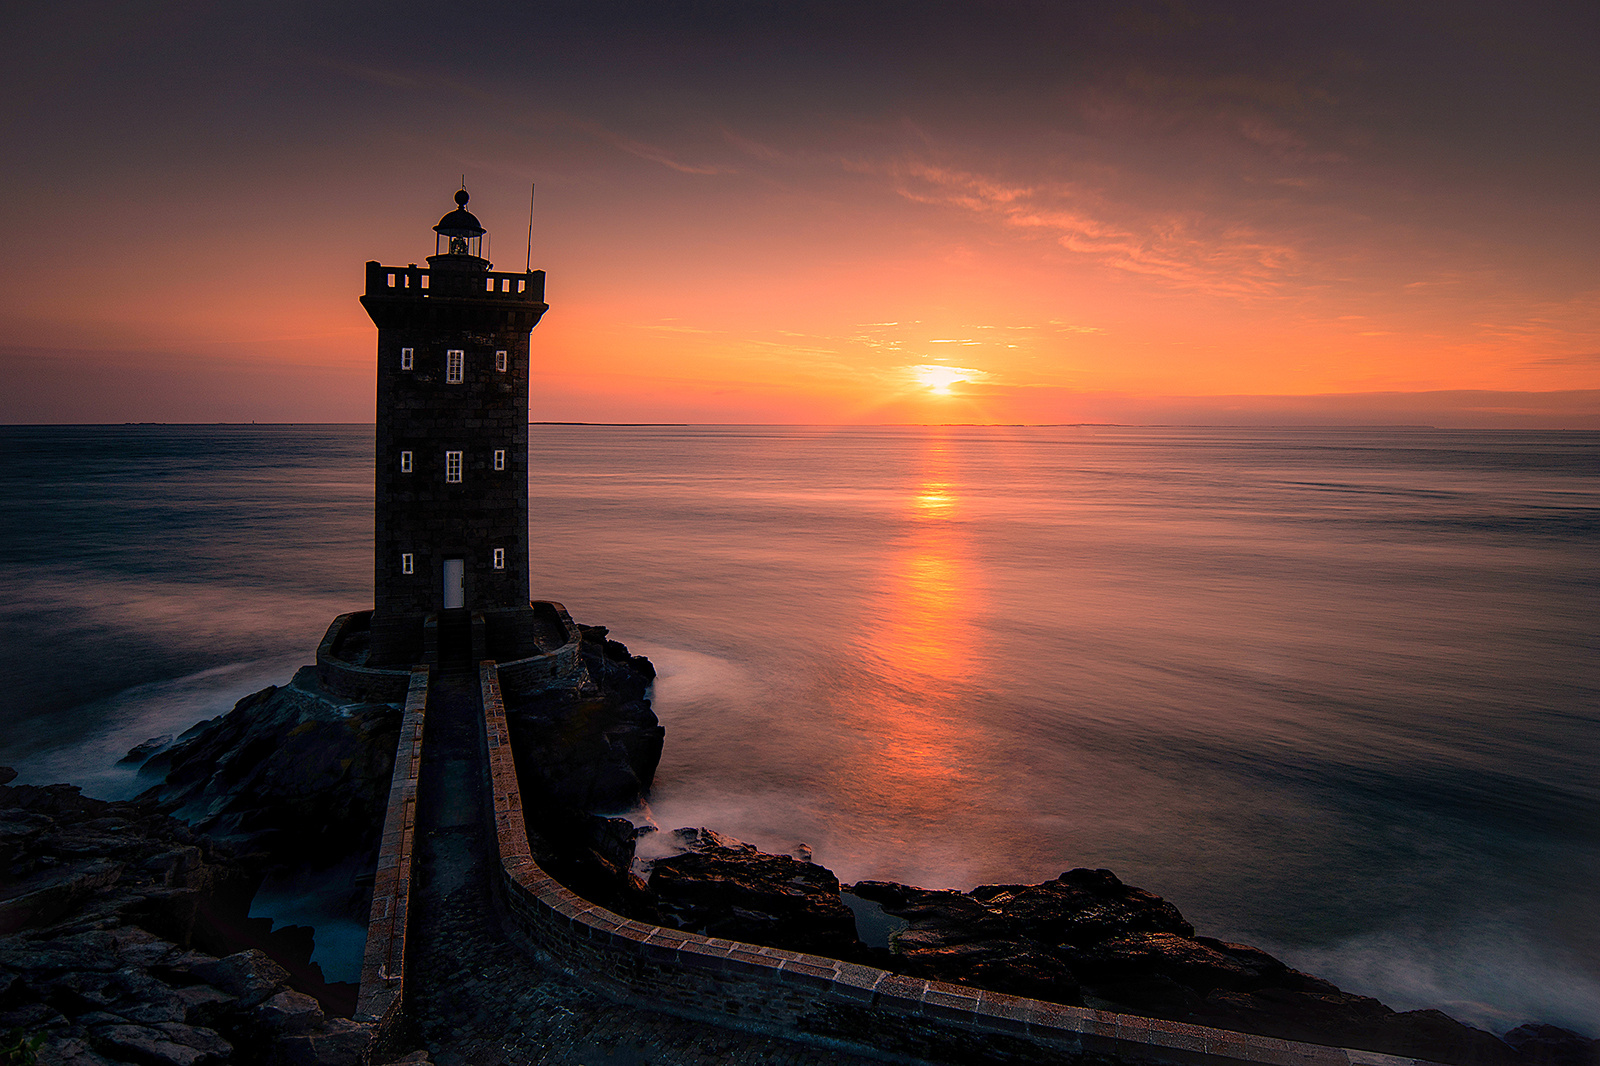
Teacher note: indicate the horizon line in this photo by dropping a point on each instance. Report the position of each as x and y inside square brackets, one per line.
[892, 425]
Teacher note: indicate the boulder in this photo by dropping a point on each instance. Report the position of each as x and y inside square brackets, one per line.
[18, 831]
[296, 772]
[596, 750]
[141, 752]
[726, 888]
[251, 976]
[70, 1051]
[340, 1042]
[1550, 1045]
[287, 1013]
[1186, 961]
[165, 1045]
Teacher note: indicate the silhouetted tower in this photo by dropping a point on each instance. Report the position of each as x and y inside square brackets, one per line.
[451, 529]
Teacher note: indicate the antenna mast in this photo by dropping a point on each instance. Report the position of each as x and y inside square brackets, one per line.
[529, 267]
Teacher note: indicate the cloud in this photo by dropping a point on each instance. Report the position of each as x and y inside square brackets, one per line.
[1584, 360]
[1189, 249]
[648, 151]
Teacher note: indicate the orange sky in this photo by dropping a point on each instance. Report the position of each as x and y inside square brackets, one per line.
[1250, 215]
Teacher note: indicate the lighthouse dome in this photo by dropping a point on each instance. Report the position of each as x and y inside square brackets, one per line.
[460, 222]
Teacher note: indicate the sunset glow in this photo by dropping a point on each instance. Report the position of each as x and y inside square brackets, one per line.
[995, 213]
[940, 379]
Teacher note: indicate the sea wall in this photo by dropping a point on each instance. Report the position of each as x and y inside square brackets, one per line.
[350, 680]
[561, 667]
[552, 669]
[383, 966]
[797, 995]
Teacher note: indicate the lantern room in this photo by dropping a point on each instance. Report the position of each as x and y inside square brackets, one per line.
[460, 233]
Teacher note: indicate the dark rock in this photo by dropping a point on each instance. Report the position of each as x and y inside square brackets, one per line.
[31, 1018]
[729, 889]
[39, 959]
[591, 755]
[1083, 907]
[139, 753]
[18, 831]
[113, 914]
[340, 1043]
[203, 1005]
[999, 966]
[1432, 1034]
[70, 1051]
[288, 1013]
[1152, 994]
[51, 893]
[1346, 1020]
[1549, 1045]
[143, 999]
[595, 751]
[296, 772]
[79, 993]
[956, 937]
[1186, 961]
[165, 1045]
[249, 976]
[1088, 938]
[414, 1058]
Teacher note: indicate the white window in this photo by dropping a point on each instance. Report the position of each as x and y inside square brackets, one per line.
[408, 358]
[499, 458]
[405, 462]
[452, 466]
[499, 558]
[406, 564]
[500, 361]
[455, 358]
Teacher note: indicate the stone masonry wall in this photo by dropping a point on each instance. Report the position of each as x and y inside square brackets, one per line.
[423, 415]
[357, 682]
[382, 994]
[538, 673]
[791, 994]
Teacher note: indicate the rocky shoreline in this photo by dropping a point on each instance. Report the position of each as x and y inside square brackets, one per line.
[124, 937]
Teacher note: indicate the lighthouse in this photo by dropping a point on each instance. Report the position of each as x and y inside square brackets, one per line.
[450, 536]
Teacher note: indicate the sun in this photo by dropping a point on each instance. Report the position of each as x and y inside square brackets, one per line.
[938, 379]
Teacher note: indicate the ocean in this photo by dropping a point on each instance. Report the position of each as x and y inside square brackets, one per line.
[1335, 693]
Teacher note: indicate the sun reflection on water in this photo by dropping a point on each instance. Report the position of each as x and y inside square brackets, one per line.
[913, 723]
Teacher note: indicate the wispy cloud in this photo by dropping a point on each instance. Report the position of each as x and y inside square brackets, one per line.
[1186, 249]
[1580, 360]
[649, 151]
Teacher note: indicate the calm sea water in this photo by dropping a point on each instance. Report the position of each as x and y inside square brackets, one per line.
[1335, 693]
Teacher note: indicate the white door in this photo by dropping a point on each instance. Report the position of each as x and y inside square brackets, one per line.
[452, 583]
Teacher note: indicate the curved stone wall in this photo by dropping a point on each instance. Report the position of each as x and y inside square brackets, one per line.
[559, 668]
[828, 1000]
[352, 681]
[553, 669]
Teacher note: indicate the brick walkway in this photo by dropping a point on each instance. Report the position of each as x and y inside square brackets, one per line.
[475, 997]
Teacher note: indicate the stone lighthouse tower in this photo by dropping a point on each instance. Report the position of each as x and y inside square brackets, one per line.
[450, 568]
